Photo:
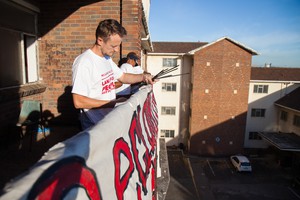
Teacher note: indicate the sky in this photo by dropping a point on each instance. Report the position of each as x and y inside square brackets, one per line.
[270, 27]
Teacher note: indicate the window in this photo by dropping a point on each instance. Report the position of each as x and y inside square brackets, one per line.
[167, 133]
[169, 62]
[168, 87]
[283, 115]
[18, 60]
[254, 136]
[296, 121]
[168, 110]
[260, 89]
[258, 112]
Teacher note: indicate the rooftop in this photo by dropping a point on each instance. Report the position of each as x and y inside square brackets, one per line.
[275, 74]
[176, 47]
[290, 100]
[283, 141]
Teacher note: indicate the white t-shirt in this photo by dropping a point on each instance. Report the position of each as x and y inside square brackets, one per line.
[125, 89]
[94, 77]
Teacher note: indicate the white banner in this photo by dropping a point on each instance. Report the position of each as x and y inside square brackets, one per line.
[116, 159]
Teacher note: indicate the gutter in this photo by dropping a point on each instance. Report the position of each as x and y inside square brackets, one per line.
[274, 81]
[279, 105]
[167, 54]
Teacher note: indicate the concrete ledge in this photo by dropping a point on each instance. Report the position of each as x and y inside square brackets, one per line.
[13, 93]
[164, 180]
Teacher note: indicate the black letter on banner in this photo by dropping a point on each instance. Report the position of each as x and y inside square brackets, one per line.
[136, 130]
[64, 175]
[121, 183]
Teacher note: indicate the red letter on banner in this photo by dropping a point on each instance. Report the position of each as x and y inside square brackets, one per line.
[135, 134]
[64, 175]
[150, 119]
[121, 183]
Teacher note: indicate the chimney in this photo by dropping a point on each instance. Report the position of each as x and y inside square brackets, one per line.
[268, 65]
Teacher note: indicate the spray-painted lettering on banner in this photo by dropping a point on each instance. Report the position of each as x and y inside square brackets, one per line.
[105, 162]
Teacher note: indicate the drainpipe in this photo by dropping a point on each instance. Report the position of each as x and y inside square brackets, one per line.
[121, 22]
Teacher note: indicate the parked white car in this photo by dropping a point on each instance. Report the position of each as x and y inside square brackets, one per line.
[241, 163]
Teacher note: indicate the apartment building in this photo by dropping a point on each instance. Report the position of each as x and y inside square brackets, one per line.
[173, 94]
[223, 105]
[267, 86]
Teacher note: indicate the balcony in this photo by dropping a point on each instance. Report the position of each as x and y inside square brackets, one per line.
[120, 157]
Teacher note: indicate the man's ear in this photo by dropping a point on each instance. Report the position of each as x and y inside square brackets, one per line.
[99, 41]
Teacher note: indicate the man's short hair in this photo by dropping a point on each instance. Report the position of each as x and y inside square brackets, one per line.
[109, 27]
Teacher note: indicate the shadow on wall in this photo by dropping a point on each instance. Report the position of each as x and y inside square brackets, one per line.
[59, 13]
[228, 137]
[68, 114]
[9, 113]
[222, 139]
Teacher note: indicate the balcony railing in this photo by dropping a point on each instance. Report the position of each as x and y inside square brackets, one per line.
[115, 159]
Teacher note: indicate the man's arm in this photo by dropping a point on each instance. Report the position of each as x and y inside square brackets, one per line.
[136, 78]
[88, 103]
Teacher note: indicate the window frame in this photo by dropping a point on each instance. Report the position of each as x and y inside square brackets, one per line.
[166, 86]
[253, 135]
[167, 133]
[258, 112]
[296, 120]
[284, 115]
[168, 110]
[22, 65]
[260, 89]
[169, 62]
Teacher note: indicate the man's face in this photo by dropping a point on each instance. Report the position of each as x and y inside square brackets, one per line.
[111, 46]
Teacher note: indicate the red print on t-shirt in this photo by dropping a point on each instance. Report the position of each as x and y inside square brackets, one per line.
[107, 82]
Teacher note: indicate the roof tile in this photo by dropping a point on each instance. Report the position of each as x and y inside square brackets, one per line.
[176, 47]
[290, 100]
[275, 73]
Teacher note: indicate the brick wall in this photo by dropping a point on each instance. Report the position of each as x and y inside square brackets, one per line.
[67, 29]
[132, 21]
[219, 99]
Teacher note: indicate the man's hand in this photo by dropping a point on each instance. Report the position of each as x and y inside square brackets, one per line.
[148, 79]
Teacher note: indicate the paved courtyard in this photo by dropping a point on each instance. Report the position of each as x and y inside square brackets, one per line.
[195, 177]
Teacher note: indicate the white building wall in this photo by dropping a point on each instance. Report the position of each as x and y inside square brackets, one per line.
[166, 99]
[288, 126]
[276, 90]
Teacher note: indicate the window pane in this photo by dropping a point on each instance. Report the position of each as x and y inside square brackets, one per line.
[169, 62]
[168, 86]
[283, 115]
[260, 89]
[167, 133]
[31, 65]
[296, 121]
[254, 136]
[265, 89]
[258, 112]
[10, 59]
[168, 110]
[255, 89]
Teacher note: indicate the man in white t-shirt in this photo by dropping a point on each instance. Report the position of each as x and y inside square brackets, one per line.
[94, 74]
[130, 66]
